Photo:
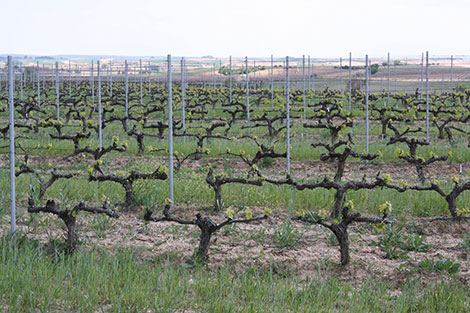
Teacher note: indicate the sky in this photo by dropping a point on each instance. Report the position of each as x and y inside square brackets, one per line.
[254, 28]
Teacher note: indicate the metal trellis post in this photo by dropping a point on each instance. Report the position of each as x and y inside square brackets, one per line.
[140, 74]
[303, 96]
[247, 96]
[39, 87]
[126, 83]
[367, 103]
[388, 79]
[170, 129]
[11, 113]
[272, 81]
[183, 94]
[287, 115]
[350, 81]
[230, 69]
[451, 72]
[92, 79]
[70, 80]
[427, 96]
[100, 132]
[57, 87]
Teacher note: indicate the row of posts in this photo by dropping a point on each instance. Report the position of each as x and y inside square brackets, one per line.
[307, 78]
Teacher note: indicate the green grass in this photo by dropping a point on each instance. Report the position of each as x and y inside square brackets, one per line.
[124, 281]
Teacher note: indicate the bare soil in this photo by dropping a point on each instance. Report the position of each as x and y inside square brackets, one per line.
[300, 169]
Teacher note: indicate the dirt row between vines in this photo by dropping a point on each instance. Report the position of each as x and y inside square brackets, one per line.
[441, 171]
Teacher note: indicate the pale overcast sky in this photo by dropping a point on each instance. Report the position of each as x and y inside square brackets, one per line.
[241, 27]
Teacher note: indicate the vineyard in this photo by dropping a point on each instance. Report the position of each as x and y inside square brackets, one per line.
[293, 187]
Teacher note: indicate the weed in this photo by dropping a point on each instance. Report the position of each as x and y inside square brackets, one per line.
[266, 162]
[443, 265]
[465, 244]
[415, 242]
[396, 245]
[286, 236]
[391, 242]
[259, 236]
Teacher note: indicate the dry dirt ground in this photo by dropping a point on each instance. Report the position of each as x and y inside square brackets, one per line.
[300, 169]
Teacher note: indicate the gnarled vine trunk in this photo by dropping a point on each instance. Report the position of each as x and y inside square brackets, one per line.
[341, 233]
